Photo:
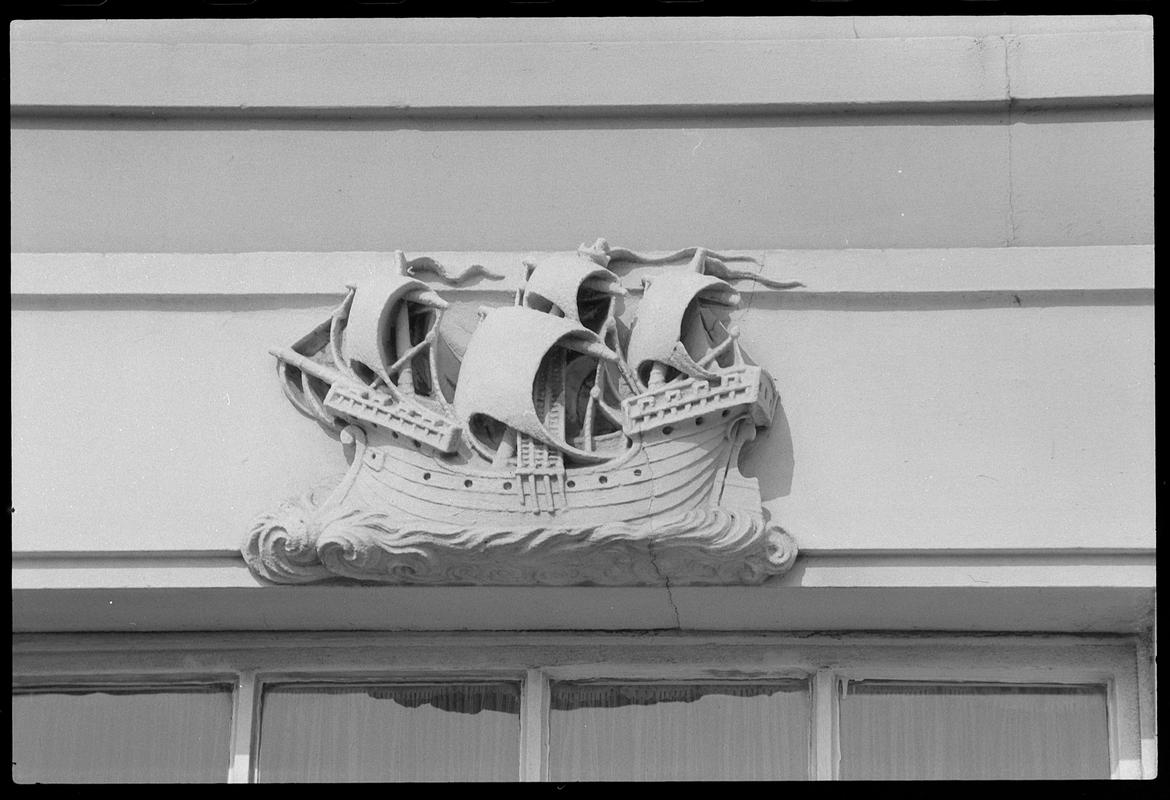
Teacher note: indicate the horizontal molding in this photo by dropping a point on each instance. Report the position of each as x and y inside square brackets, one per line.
[33, 115]
[1052, 609]
[818, 569]
[411, 76]
[904, 110]
[282, 644]
[478, 30]
[222, 69]
[1122, 273]
[1069, 66]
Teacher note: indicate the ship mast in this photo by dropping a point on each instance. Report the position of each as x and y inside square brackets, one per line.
[579, 287]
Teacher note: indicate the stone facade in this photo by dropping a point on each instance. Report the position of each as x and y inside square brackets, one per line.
[964, 435]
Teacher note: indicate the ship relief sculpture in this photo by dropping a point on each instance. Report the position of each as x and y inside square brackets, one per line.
[561, 447]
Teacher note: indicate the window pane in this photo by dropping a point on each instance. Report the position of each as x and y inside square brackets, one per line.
[405, 732]
[922, 731]
[122, 735]
[685, 732]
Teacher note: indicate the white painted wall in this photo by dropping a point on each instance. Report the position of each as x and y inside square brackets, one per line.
[969, 201]
[927, 179]
[935, 418]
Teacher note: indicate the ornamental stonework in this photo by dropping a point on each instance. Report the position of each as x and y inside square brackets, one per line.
[560, 445]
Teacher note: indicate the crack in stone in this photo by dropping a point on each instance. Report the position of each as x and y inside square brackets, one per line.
[673, 606]
[666, 582]
[654, 559]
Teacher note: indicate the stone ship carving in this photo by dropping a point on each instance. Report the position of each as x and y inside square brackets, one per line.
[561, 447]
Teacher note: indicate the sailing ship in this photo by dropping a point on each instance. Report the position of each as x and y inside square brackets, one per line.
[556, 416]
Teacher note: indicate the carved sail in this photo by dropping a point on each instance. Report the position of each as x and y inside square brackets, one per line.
[506, 355]
[670, 329]
[580, 288]
[576, 287]
[378, 329]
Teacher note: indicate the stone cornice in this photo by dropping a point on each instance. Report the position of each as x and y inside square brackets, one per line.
[843, 568]
[176, 68]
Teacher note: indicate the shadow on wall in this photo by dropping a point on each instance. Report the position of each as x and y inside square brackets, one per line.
[769, 458]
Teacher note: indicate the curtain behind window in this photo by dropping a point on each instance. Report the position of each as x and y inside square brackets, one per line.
[122, 735]
[906, 731]
[433, 732]
[679, 731]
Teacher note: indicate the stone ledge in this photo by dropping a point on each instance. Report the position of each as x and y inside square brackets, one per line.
[819, 569]
[201, 68]
[338, 608]
[951, 270]
[552, 29]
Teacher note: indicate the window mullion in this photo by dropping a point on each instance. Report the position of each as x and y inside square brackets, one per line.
[534, 727]
[246, 699]
[824, 726]
[1147, 702]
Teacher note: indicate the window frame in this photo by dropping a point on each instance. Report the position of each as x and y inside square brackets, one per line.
[251, 661]
[69, 682]
[549, 676]
[1072, 678]
[271, 680]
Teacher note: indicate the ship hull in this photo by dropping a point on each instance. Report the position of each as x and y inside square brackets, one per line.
[666, 472]
[654, 517]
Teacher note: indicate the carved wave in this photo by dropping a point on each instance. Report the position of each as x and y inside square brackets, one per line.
[305, 541]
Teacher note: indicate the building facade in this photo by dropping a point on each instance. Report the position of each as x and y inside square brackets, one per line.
[962, 450]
